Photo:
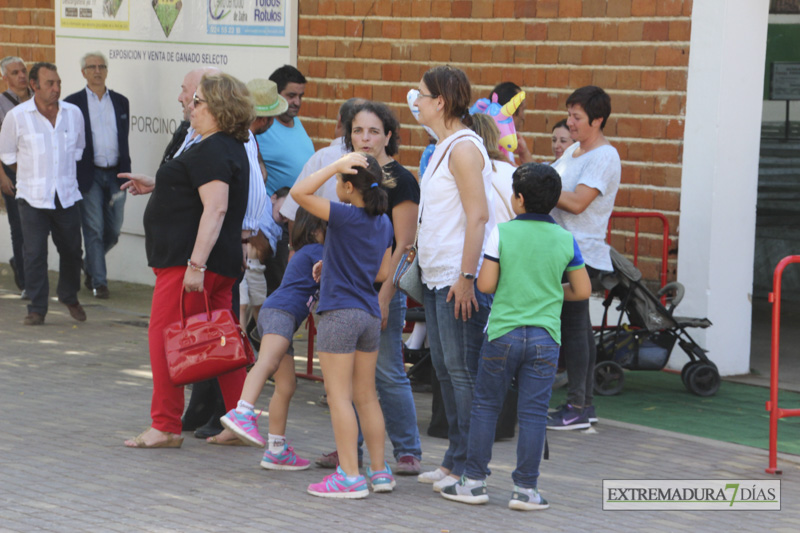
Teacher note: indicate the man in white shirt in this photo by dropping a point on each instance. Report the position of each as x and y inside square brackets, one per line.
[106, 116]
[42, 139]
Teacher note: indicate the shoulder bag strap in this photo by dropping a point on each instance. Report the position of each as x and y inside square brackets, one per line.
[11, 98]
[504, 200]
[446, 150]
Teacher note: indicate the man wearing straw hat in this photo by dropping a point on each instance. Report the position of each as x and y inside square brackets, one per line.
[268, 105]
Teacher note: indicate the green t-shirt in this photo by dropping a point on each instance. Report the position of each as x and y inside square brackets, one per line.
[533, 252]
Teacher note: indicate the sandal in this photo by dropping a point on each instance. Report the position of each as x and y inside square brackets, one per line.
[173, 441]
[230, 442]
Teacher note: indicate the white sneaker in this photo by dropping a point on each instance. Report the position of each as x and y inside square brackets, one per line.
[523, 499]
[431, 477]
[444, 482]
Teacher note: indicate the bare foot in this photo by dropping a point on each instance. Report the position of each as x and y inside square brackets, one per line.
[153, 438]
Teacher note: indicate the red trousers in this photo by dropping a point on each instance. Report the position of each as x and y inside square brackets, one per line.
[167, 405]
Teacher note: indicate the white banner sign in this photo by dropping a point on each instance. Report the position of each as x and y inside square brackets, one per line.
[152, 44]
[691, 495]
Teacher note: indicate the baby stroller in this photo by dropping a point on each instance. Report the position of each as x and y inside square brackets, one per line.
[646, 342]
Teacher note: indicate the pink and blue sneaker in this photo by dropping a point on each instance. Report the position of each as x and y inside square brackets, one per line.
[336, 485]
[382, 480]
[245, 426]
[286, 460]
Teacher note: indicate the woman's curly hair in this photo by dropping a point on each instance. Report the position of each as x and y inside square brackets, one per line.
[229, 102]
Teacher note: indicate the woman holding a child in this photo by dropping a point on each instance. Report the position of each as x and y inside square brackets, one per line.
[456, 191]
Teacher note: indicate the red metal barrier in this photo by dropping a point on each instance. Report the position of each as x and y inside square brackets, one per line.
[664, 243]
[312, 331]
[776, 412]
[616, 214]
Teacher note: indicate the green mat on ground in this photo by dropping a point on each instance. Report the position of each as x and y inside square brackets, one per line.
[735, 414]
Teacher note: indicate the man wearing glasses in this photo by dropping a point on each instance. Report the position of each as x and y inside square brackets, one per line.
[106, 115]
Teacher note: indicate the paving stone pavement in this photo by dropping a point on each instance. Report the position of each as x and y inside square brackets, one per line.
[72, 392]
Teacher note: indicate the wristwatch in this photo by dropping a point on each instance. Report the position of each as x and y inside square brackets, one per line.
[468, 276]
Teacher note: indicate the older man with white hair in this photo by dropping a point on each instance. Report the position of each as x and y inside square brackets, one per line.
[15, 74]
[106, 115]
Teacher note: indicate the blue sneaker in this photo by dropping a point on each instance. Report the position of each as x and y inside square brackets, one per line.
[286, 460]
[382, 480]
[568, 419]
[590, 414]
[336, 486]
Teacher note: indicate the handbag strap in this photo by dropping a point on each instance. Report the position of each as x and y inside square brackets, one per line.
[505, 202]
[183, 315]
[469, 133]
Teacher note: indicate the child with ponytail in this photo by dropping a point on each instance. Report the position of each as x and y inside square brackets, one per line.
[281, 314]
[357, 253]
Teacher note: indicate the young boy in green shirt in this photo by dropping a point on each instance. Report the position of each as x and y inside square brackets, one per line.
[524, 262]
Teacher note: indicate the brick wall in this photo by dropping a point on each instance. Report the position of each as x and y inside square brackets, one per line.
[638, 50]
[27, 30]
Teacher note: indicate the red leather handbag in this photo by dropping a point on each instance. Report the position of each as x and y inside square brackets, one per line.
[205, 346]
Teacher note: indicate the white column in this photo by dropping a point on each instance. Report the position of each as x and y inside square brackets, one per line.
[720, 175]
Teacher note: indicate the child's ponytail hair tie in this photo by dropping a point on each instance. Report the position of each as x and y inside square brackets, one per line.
[373, 185]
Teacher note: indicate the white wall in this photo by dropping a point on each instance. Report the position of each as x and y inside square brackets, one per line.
[125, 262]
[720, 175]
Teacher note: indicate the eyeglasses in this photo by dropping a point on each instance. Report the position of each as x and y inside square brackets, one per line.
[196, 100]
[421, 95]
[95, 67]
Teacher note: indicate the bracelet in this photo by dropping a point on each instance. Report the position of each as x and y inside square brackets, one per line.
[196, 268]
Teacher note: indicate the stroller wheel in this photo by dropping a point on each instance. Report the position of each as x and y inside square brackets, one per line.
[608, 378]
[703, 380]
[687, 368]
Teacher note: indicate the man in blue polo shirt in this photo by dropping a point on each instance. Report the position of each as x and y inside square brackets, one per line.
[285, 147]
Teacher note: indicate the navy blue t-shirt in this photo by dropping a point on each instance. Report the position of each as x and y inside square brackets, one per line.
[354, 247]
[297, 290]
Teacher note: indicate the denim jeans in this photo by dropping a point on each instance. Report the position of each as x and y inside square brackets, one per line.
[16, 227]
[531, 354]
[455, 348]
[394, 387]
[102, 211]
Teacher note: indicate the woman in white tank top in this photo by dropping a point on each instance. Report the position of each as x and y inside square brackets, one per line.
[456, 217]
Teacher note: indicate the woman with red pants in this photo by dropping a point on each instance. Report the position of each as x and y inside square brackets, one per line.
[192, 228]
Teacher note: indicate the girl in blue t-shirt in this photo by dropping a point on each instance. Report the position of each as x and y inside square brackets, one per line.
[280, 316]
[357, 252]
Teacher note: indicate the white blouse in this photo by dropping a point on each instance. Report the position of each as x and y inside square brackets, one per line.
[599, 169]
[444, 222]
[503, 191]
